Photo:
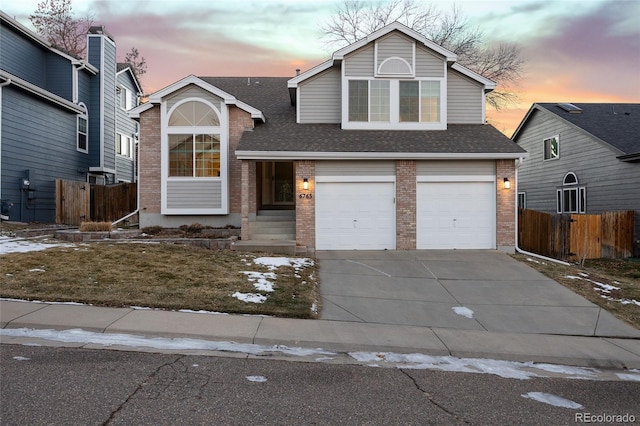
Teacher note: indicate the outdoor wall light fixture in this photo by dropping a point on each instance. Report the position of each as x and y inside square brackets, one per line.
[507, 184]
[305, 187]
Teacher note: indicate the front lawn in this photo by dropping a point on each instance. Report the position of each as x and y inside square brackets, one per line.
[163, 276]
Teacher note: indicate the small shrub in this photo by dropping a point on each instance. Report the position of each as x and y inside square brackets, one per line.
[194, 228]
[152, 230]
[95, 226]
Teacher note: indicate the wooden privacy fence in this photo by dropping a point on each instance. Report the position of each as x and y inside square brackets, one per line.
[111, 202]
[77, 202]
[576, 236]
[73, 202]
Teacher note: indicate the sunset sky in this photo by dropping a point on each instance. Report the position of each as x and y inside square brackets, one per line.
[574, 51]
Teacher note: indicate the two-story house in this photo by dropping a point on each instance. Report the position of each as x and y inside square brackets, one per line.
[584, 159]
[60, 118]
[384, 146]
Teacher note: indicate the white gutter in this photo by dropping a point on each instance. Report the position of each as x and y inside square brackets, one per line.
[335, 155]
[518, 249]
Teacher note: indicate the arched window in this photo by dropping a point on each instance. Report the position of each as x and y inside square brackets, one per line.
[194, 113]
[571, 198]
[194, 140]
[395, 66]
[82, 141]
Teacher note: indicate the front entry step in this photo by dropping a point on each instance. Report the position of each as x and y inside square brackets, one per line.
[274, 225]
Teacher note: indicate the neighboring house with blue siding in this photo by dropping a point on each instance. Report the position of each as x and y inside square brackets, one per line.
[584, 158]
[60, 118]
[384, 146]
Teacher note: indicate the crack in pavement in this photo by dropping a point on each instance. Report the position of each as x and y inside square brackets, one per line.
[432, 400]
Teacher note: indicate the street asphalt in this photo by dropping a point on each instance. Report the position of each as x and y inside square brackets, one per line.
[468, 304]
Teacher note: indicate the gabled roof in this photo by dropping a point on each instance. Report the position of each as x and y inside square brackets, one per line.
[123, 67]
[227, 98]
[339, 55]
[615, 124]
[280, 137]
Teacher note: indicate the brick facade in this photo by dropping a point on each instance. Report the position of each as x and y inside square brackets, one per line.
[305, 204]
[150, 171]
[405, 205]
[505, 204]
[239, 121]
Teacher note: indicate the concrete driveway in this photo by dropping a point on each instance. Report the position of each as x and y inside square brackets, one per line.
[456, 289]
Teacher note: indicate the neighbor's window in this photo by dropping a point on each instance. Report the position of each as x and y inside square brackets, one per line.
[571, 198]
[123, 145]
[81, 143]
[522, 200]
[551, 148]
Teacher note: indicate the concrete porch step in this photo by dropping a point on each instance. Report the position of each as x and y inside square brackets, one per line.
[276, 215]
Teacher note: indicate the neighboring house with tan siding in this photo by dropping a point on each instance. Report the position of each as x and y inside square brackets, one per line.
[384, 146]
[584, 159]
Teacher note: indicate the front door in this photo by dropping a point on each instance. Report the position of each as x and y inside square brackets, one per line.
[278, 183]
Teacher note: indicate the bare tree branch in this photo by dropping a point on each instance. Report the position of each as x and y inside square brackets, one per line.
[54, 21]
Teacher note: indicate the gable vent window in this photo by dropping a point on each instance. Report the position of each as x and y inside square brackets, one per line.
[571, 198]
[395, 66]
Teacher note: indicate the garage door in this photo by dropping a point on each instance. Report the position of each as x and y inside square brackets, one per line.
[355, 215]
[455, 215]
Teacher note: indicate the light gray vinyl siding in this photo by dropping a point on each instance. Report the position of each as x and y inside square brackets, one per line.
[355, 168]
[456, 168]
[126, 126]
[428, 64]
[464, 99]
[320, 98]
[395, 45]
[360, 63]
[108, 72]
[611, 184]
[43, 142]
[21, 57]
[194, 194]
[193, 91]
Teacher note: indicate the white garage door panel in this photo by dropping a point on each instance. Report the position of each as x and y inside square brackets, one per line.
[353, 215]
[455, 215]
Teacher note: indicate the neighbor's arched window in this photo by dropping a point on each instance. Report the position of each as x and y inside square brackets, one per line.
[194, 140]
[571, 198]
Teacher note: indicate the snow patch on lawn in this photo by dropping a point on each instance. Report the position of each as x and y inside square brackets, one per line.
[264, 282]
[604, 289]
[24, 245]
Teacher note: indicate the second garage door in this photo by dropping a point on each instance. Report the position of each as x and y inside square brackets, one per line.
[355, 215]
[455, 215]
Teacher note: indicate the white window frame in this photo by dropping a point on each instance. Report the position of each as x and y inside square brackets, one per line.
[522, 200]
[394, 107]
[572, 189]
[222, 130]
[82, 116]
[124, 141]
[544, 148]
[124, 98]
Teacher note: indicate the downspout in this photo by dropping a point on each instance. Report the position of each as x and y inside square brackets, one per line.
[6, 83]
[518, 249]
[137, 188]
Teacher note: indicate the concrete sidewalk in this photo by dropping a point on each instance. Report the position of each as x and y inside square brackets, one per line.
[340, 336]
